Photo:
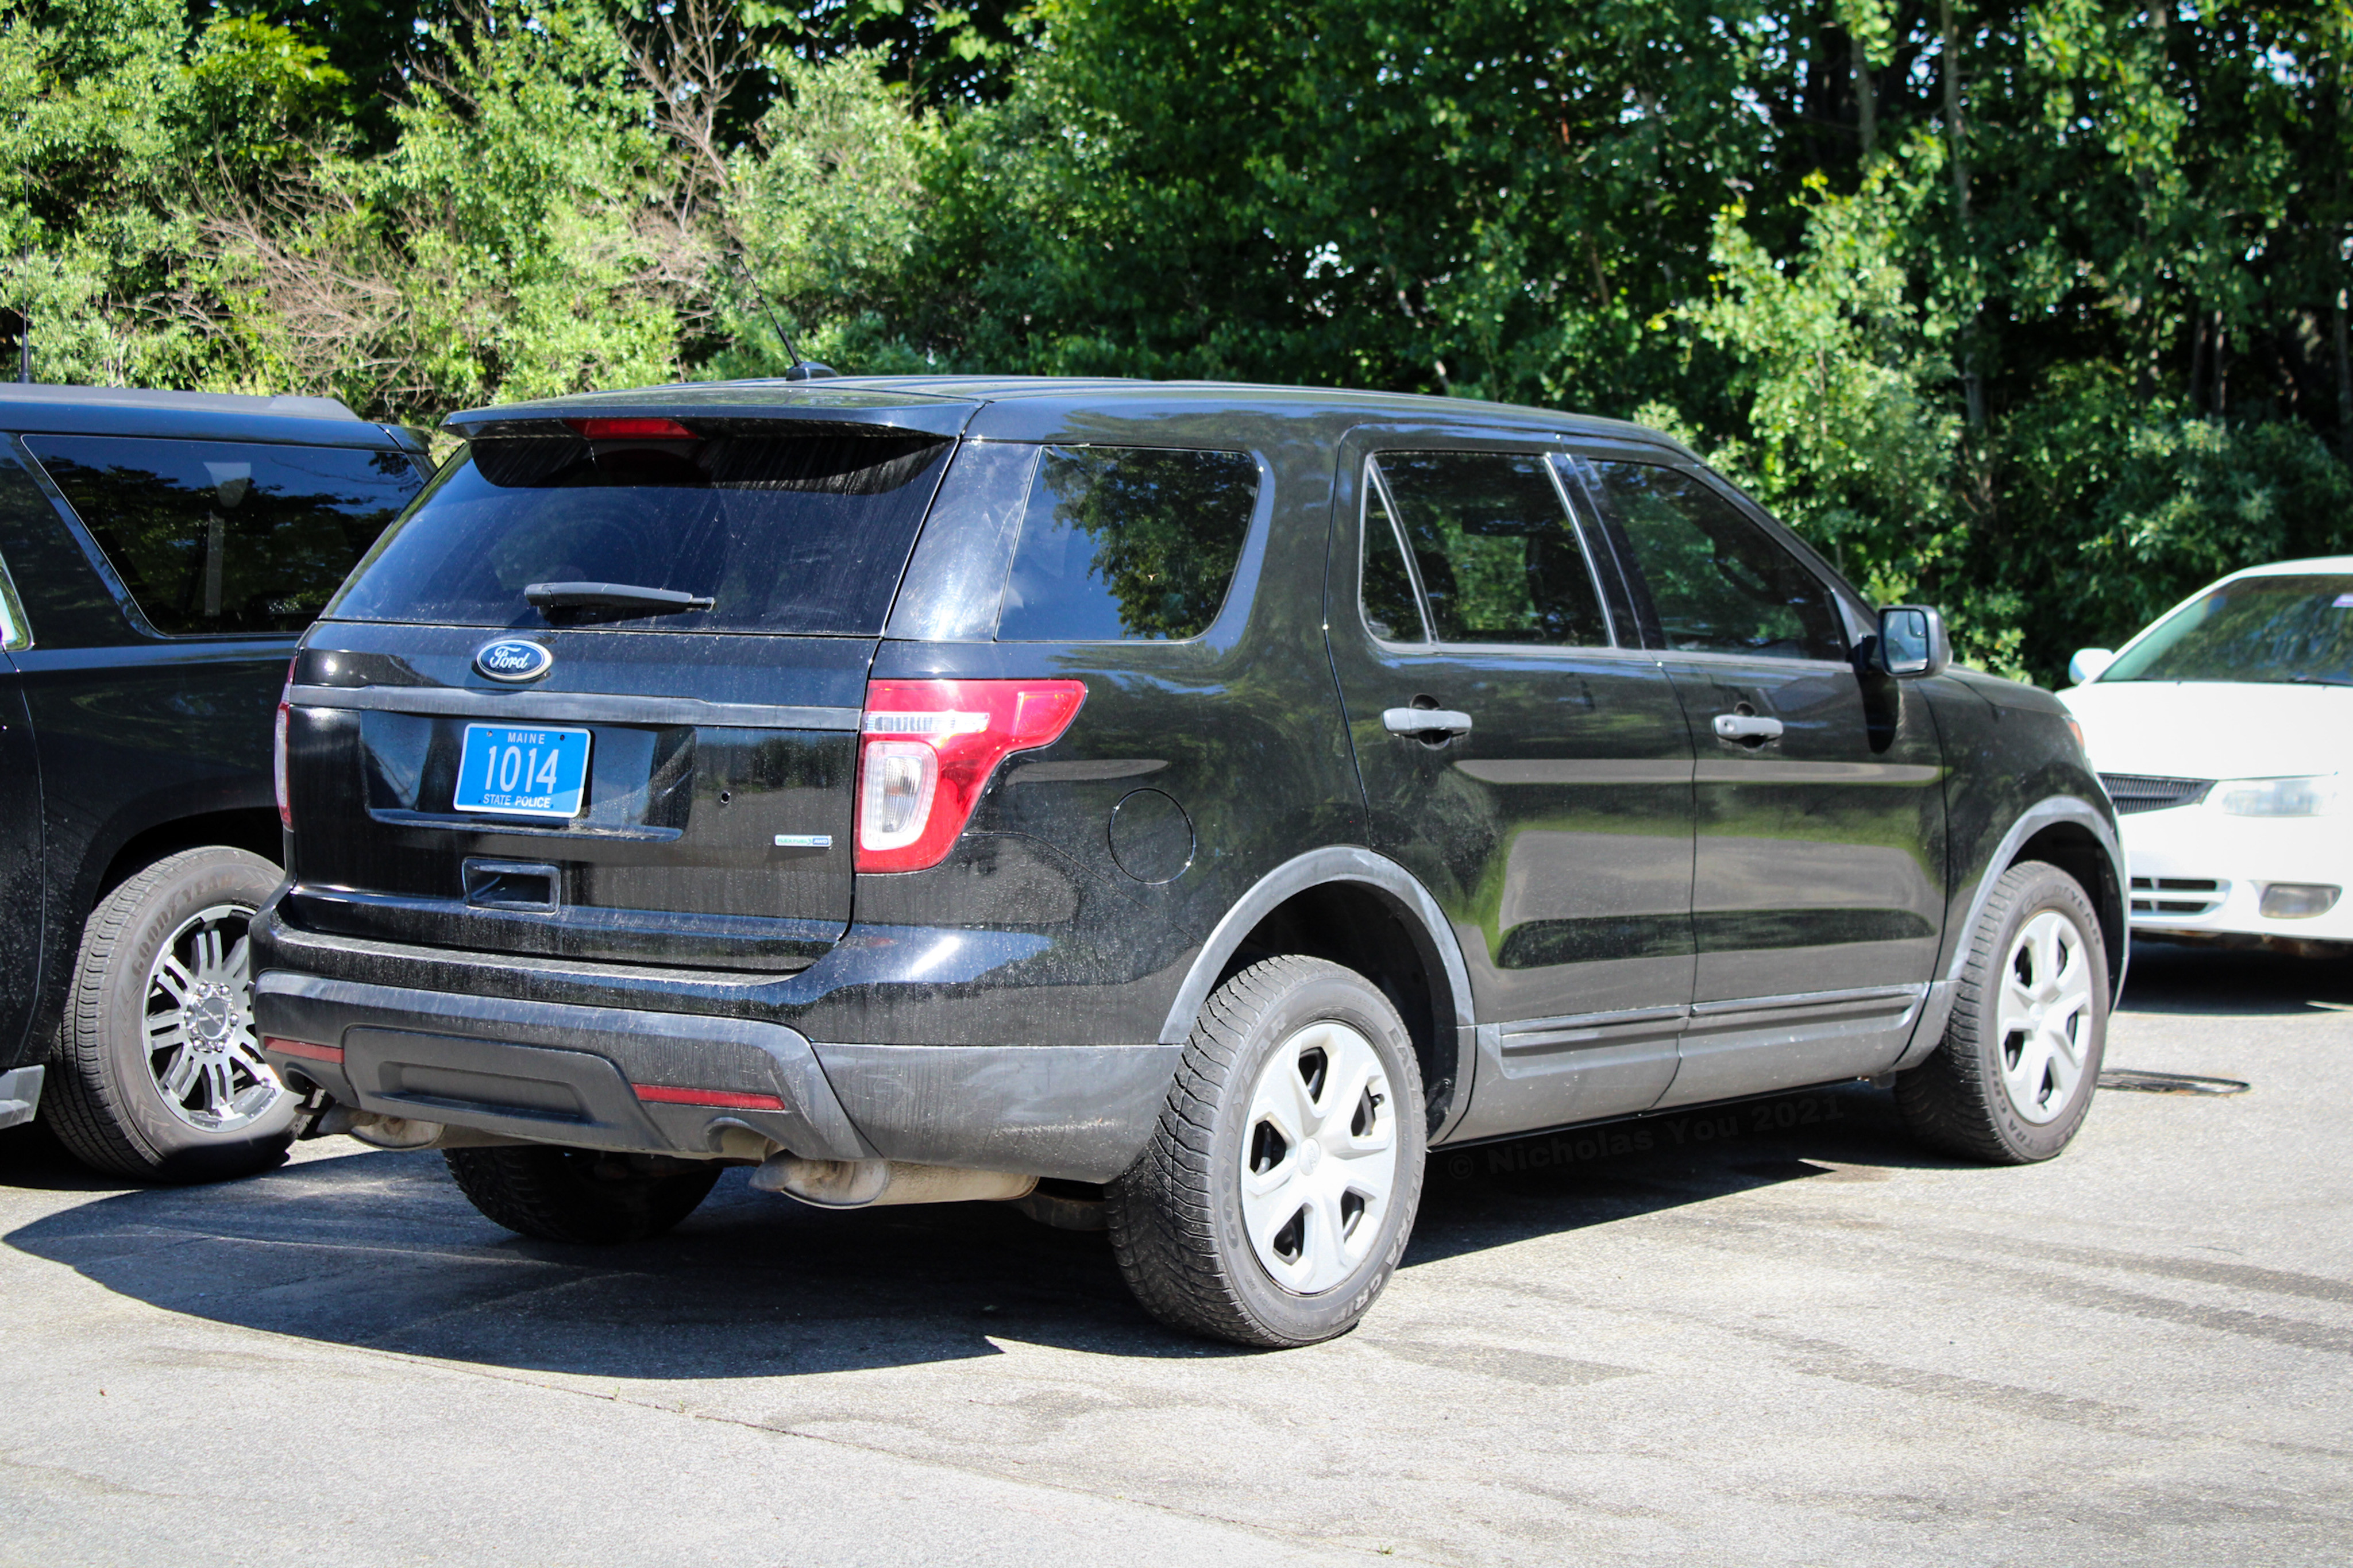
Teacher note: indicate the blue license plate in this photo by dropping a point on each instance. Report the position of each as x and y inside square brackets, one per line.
[518, 770]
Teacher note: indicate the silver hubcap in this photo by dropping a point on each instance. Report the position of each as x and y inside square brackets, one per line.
[2044, 1016]
[1319, 1159]
[201, 1046]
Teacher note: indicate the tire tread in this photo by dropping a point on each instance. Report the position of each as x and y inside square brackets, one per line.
[540, 1191]
[81, 1103]
[1162, 1214]
[1947, 1101]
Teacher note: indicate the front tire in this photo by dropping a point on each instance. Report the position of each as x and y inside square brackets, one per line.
[1279, 1189]
[578, 1196]
[2014, 1077]
[159, 1072]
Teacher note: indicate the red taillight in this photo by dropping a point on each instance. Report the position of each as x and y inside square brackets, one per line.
[719, 1099]
[926, 752]
[278, 752]
[633, 430]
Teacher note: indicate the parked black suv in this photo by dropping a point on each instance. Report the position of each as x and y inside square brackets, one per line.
[159, 553]
[1214, 796]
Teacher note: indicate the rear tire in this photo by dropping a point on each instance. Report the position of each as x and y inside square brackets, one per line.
[159, 1073]
[1278, 1192]
[2014, 1077]
[578, 1196]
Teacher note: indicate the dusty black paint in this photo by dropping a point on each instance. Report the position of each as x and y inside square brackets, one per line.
[119, 746]
[1609, 870]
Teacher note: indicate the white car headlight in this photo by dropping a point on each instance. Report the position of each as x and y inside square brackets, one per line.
[2278, 797]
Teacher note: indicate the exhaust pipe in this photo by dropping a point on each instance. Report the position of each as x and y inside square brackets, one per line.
[400, 1133]
[865, 1183]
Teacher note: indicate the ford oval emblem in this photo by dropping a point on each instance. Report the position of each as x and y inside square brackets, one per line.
[514, 659]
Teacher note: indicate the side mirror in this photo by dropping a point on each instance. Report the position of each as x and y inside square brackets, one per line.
[1911, 641]
[2089, 664]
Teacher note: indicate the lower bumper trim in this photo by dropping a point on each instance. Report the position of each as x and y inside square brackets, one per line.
[555, 1072]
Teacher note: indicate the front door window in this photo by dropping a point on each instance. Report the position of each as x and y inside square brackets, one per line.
[1718, 582]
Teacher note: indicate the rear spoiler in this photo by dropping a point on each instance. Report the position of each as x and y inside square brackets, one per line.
[731, 408]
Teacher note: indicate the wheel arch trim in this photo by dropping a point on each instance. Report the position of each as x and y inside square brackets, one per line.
[2070, 810]
[1317, 867]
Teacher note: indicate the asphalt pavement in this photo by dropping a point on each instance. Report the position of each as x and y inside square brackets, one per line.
[1775, 1333]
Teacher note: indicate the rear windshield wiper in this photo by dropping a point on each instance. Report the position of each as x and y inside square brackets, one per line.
[547, 596]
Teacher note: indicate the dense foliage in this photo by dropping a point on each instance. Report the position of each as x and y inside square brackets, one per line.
[2038, 311]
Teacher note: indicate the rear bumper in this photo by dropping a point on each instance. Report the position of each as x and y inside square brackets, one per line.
[20, 1095]
[649, 1081]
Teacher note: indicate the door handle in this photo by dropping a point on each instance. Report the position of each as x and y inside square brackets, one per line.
[1424, 721]
[1746, 727]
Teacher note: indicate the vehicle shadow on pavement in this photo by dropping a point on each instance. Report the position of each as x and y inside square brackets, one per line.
[2166, 977]
[1496, 1194]
[380, 1250]
[32, 1158]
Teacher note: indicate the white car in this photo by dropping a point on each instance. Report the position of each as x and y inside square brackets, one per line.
[2225, 734]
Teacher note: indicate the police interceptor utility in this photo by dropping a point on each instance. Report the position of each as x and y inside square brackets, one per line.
[1186, 805]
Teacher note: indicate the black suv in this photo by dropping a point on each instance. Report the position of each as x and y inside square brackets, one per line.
[159, 553]
[1179, 805]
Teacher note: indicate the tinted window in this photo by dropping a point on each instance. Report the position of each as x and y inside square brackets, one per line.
[1499, 559]
[794, 533]
[223, 536]
[2257, 629]
[1388, 598]
[1718, 583]
[1127, 543]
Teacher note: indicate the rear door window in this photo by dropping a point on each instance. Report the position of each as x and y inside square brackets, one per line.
[1498, 557]
[228, 536]
[1717, 582]
[801, 532]
[1127, 543]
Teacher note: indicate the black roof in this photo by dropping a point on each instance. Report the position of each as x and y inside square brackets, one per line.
[946, 404]
[39, 408]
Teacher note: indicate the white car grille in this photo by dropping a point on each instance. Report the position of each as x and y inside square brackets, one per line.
[2176, 895]
[2141, 792]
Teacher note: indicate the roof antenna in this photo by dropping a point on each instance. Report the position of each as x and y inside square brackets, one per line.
[802, 369]
[23, 346]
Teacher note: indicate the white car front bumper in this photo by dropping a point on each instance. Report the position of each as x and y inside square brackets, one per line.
[2196, 870]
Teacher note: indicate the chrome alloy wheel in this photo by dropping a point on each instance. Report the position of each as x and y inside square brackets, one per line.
[2044, 1016]
[1319, 1158]
[201, 1047]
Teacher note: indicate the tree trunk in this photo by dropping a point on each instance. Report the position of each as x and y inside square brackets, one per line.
[1955, 146]
[2344, 383]
[1972, 383]
[2197, 361]
[1866, 104]
[2221, 366]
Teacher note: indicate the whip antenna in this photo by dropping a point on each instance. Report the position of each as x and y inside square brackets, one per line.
[802, 369]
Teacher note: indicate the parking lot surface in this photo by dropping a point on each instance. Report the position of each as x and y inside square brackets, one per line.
[1771, 1333]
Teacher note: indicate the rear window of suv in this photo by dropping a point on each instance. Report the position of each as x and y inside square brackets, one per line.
[228, 536]
[798, 533]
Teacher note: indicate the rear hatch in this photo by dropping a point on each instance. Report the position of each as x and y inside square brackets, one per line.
[596, 695]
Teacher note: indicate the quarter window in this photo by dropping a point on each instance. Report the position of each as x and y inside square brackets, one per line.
[1718, 583]
[1391, 613]
[1127, 543]
[1499, 559]
[222, 536]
